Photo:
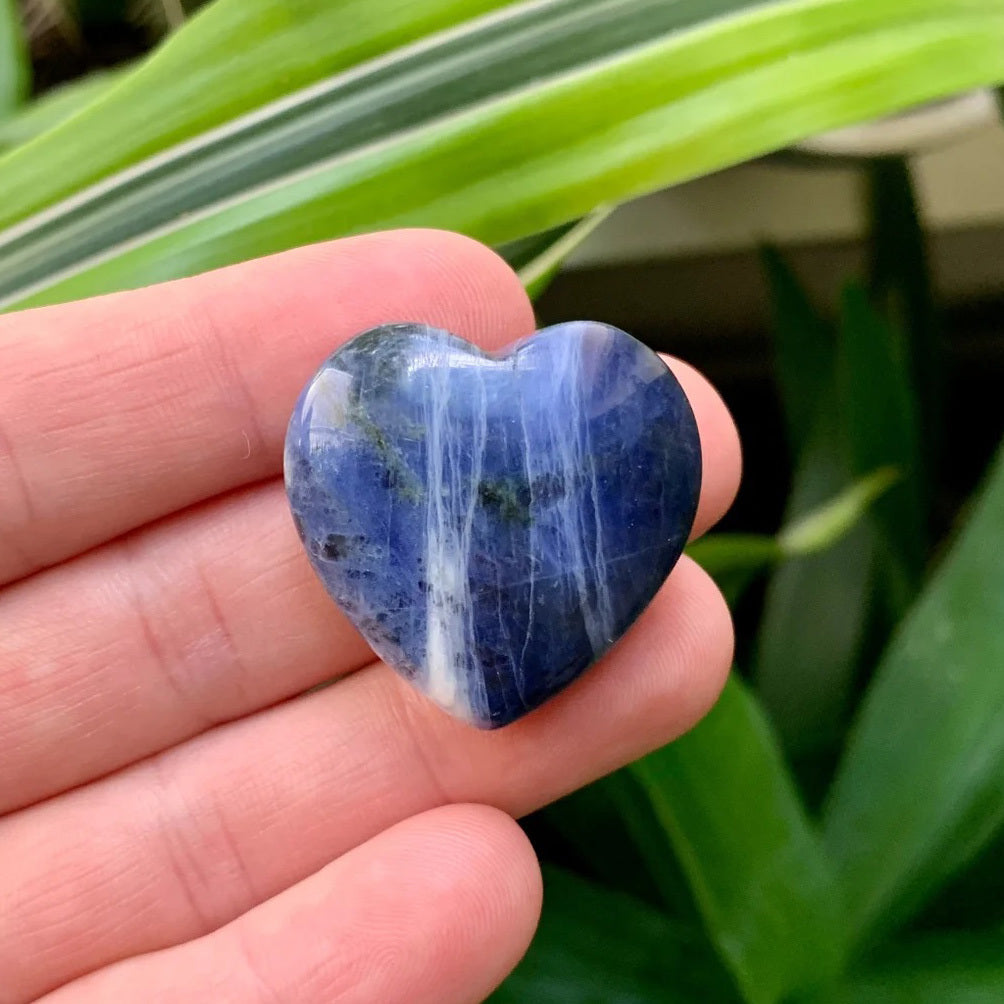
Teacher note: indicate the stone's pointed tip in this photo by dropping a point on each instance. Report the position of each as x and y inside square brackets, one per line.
[497, 519]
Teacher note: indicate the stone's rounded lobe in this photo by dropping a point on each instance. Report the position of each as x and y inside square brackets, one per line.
[492, 523]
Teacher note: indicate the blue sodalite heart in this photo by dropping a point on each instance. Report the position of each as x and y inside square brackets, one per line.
[493, 522]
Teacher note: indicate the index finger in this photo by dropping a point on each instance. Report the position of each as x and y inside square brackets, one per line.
[136, 405]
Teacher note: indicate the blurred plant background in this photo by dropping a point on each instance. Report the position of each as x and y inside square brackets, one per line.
[834, 830]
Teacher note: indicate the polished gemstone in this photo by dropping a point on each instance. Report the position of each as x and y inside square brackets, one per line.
[493, 522]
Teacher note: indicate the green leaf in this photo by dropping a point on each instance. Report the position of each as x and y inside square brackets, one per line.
[610, 832]
[54, 107]
[816, 606]
[523, 252]
[733, 560]
[15, 67]
[538, 269]
[921, 788]
[510, 124]
[539, 257]
[824, 526]
[962, 968]
[804, 349]
[594, 946]
[900, 285]
[883, 429]
[232, 57]
[972, 898]
[762, 881]
[804, 654]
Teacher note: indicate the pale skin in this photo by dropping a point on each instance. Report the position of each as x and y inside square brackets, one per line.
[181, 819]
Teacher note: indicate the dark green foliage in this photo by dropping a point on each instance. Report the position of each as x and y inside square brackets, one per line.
[921, 788]
[900, 287]
[797, 627]
[596, 946]
[711, 834]
[15, 72]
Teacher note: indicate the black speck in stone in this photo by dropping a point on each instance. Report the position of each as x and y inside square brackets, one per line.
[337, 545]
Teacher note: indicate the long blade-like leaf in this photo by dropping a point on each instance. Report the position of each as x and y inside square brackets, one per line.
[954, 968]
[901, 285]
[594, 945]
[232, 57]
[817, 605]
[14, 65]
[758, 872]
[974, 897]
[921, 788]
[505, 126]
[537, 272]
[521, 253]
[54, 107]
[825, 525]
[610, 832]
[882, 427]
[539, 257]
[734, 559]
[804, 349]
[865, 417]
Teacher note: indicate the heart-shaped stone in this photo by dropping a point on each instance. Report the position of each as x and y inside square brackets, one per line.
[493, 522]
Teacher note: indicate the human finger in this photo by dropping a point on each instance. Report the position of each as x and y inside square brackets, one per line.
[436, 909]
[122, 409]
[721, 453]
[185, 841]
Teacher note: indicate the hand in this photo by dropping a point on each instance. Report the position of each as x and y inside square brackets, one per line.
[182, 821]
